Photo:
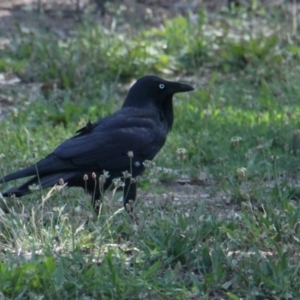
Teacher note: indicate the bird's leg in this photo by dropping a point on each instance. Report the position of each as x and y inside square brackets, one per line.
[129, 194]
[94, 190]
[129, 198]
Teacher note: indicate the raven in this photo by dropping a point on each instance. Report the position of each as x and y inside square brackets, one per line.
[117, 143]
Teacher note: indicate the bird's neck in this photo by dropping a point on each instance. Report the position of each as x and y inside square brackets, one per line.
[167, 113]
[165, 108]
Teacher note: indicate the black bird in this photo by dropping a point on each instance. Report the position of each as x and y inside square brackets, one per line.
[139, 128]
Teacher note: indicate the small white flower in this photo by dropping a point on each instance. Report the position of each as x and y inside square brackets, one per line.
[235, 141]
[118, 182]
[126, 174]
[149, 163]
[241, 172]
[181, 151]
[106, 174]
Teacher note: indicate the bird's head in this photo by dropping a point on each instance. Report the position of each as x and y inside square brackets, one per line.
[153, 90]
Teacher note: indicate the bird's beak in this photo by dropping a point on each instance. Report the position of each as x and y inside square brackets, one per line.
[178, 87]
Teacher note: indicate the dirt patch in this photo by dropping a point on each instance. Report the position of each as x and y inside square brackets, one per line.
[186, 198]
[65, 15]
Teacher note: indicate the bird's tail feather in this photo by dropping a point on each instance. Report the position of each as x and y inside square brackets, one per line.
[50, 164]
[30, 171]
[42, 183]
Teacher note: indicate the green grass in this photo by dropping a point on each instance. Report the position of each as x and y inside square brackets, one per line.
[235, 236]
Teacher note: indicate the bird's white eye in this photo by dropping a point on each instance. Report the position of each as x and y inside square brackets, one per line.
[161, 86]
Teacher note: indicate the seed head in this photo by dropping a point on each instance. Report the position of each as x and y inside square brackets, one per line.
[85, 177]
[77, 209]
[94, 175]
[130, 153]
[241, 172]
[235, 141]
[181, 153]
[61, 181]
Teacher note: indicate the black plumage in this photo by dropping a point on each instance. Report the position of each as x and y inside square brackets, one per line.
[140, 126]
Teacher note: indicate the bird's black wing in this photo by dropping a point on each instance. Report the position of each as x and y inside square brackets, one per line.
[107, 144]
